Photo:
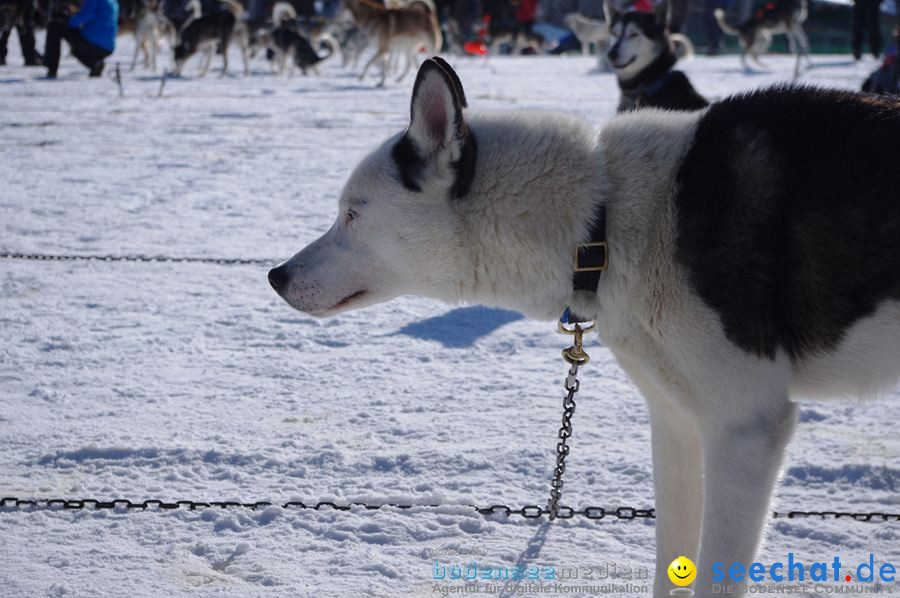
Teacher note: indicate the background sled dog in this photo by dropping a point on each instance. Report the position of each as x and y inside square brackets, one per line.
[400, 30]
[588, 31]
[149, 25]
[643, 53]
[755, 34]
[290, 47]
[211, 31]
[725, 292]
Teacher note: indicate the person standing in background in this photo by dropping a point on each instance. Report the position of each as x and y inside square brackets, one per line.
[678, 10]
[713, 31]
[90, 32]
[525, 15]
[866, 21]
[25, 29]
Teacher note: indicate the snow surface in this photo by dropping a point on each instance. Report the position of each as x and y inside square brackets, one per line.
[197, 382]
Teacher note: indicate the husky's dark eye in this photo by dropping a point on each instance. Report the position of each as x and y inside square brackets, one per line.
[632, 35]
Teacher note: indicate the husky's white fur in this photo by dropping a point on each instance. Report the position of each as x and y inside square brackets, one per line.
[721, 417]
[148, 31]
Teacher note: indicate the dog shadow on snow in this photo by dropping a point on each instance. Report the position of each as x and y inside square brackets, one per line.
[462, 327]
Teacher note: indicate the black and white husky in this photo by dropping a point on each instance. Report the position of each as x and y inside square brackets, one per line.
[289, 47]
[211, 32]
[643, 53]
[753, 257]
[772, 18]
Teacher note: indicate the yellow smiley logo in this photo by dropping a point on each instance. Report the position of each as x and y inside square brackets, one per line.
[682, 571]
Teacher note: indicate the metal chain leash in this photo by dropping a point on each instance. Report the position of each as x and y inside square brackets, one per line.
[13, 504]
[61, 257]
[562, 449]
[575, 356]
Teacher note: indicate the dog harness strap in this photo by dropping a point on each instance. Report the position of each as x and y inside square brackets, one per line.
[591, 258]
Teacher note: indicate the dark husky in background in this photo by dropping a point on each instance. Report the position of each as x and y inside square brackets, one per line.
[211, 32]
[289, 46]
[643, 53]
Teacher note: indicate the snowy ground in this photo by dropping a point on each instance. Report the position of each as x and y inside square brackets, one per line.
[196, 381]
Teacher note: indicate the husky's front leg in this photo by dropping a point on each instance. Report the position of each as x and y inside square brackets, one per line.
[154, 48]
[224, 57]
[245, 54]
[743, 450]
[385, 66]
[678, 485]
[677, 479]
[793, 48]
[137, 48]
[207, 63]
[409, 62]
[378, 54]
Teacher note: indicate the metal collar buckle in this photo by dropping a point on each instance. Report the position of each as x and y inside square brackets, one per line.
[586, 249]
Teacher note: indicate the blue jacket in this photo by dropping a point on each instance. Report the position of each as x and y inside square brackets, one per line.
[98, 21]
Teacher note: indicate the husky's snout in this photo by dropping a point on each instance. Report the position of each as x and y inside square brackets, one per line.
[278, 278]
[613, 54]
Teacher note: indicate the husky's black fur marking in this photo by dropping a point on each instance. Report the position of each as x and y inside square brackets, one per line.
[215, 26]
[788, 209]
[286, 38]
[465, 166]
[411, 164]
[659, 87]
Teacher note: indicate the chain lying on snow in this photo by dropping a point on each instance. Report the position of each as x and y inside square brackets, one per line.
[528, 511]
[60, 257]
[13, 504]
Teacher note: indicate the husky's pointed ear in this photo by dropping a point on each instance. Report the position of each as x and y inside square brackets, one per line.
[661, 12]
[610, 11]
[457, 84]
[436, 117]
[438, 144]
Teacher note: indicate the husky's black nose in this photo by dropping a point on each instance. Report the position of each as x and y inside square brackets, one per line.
[613, 55]
[278, 277]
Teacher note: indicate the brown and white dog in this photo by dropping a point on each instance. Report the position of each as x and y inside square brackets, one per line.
[773, 18]
[396, 30]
